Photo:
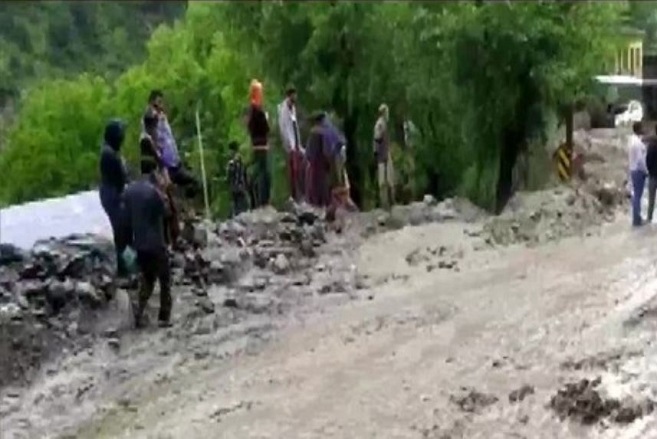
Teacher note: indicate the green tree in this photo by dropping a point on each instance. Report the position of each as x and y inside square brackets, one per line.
[479, 80]
[45, 39]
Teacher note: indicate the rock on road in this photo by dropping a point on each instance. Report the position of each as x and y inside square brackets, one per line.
[430, 353]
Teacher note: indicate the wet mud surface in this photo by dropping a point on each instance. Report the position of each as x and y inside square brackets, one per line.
[429, 321]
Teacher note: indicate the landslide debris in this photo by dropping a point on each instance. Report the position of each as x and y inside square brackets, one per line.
[55, 298]
[47, 297]
[472, 401]
[581, 402]
[540, 217]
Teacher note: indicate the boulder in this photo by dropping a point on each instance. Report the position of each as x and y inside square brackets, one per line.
[280, 264]
[10, 254]
[88, 294]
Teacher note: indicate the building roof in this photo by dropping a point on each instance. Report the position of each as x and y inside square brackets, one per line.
[22, 225]
[625, 80]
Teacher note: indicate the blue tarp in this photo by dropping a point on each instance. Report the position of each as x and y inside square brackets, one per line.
[81, 213]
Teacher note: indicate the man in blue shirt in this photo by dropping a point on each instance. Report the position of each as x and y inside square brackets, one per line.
[166, 143]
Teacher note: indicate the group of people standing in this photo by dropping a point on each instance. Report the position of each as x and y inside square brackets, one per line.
[143, 213]
[643, 167]
[316, 173]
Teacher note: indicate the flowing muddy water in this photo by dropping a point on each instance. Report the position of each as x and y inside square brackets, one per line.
[473, 348]
[433, 331]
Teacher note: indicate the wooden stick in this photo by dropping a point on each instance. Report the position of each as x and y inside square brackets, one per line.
[200, 149]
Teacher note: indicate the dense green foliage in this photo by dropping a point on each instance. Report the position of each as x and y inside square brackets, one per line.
[643, 16]
[478, 79]
[41, 39]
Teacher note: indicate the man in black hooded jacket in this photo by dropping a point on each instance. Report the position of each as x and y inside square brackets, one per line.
[113, 178]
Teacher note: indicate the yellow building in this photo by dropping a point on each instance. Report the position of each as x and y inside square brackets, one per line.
[629, 55]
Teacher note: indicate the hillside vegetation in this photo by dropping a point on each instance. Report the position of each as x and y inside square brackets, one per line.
[478, 79]
[43, 39]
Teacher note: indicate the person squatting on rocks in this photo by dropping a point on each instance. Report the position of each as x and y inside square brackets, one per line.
[638, 171]
[291, 139]
[317, 189]
[113, 178]
[258, 128]
[237, 181]
[168, 147]
[150, 154]
[381, 146]
[145, 210]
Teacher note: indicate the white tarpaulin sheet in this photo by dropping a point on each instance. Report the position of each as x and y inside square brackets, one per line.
[81, 213]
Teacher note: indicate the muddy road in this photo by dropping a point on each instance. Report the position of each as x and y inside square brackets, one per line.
[433, 321]
[427, 349]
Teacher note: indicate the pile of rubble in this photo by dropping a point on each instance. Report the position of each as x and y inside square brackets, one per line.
[429, 210]
[539, 217]
[597, 191]
[52, 298]
[43, 295]
[581, 402]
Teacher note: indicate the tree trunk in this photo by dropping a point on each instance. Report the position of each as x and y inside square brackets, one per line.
[354, 169]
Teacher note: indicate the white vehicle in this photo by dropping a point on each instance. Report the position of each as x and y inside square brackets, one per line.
[633, 113]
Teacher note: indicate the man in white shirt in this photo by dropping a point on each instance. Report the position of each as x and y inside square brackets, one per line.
[638, 172]
[291, 139]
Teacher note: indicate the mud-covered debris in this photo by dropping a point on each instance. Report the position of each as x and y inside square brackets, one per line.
[602, 360]
[219, 413]
[195, 234]
[280, 264]
[609, 194]
[206, 305]
[540, 217]
[429, 200]
[521, 393]
[473, 401]
[581, 402]
[55, 296]
[10, 254]
[231, 302]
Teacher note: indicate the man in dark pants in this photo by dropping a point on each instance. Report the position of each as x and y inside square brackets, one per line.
[113, 179]
[145, 210]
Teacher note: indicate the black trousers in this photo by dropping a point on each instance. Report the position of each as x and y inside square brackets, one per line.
[110, 199]
[263, 177]
[154, 266]
[240, 201]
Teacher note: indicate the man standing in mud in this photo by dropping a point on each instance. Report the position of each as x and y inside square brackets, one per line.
[381, 148]
[291, 140]
[145, 211]
[638, 172]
